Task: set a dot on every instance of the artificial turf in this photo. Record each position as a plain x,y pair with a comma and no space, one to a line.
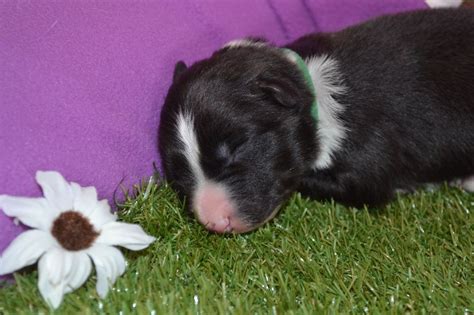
415,256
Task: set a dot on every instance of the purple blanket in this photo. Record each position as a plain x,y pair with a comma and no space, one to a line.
82,83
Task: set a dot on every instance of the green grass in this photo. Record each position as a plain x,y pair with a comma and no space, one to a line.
415,256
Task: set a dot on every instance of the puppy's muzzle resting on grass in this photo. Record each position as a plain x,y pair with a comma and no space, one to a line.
353,115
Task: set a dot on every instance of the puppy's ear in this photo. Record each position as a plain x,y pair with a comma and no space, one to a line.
284,93
179,69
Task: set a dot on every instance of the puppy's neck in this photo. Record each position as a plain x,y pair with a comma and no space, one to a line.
328,84
324,80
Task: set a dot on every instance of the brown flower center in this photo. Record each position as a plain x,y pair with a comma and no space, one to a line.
73,231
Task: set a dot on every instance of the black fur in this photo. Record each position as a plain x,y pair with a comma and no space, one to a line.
410,106
408,109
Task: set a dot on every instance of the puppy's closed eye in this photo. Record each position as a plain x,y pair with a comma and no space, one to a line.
223,152
227,152
235,144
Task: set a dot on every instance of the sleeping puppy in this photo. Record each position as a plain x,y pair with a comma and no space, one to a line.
354,116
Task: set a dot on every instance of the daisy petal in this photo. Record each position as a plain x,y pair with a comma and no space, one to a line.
80,271
85,198
34,212
52,286
25,250
127,235
102,215
61,262
102,285
109,264
55,189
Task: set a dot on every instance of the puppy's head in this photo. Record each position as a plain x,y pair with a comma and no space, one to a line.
236,134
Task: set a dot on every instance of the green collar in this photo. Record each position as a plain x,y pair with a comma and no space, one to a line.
307,77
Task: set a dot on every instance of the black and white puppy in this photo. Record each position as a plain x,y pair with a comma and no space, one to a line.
395,110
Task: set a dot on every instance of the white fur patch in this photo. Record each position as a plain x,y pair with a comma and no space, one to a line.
443,3
244,43
327,82
465,183
468,184
187,136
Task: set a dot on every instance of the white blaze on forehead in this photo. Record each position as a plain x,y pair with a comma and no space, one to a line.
187,136
328,83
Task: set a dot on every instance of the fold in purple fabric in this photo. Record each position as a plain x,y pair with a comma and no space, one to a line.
82,82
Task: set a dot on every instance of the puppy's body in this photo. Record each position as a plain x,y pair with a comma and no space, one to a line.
408,105
396,110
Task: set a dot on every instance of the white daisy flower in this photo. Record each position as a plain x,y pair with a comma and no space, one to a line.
70,227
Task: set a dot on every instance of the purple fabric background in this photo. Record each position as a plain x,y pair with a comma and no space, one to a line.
82,82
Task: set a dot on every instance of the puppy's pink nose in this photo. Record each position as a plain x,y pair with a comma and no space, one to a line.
215,210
